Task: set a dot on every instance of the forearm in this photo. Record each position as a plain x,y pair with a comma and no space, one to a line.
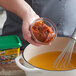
25,12
19,7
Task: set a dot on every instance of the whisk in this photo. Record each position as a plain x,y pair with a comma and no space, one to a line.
65,57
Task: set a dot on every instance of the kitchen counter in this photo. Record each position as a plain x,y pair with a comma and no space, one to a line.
10,70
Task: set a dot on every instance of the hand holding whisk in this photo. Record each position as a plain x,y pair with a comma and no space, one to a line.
65,57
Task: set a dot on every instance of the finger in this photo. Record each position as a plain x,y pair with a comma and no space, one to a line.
27,33
33,42
25,26
30,40
27,36
26,30
49,44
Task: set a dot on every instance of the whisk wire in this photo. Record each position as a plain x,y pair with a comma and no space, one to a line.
65,57
71,51
60,57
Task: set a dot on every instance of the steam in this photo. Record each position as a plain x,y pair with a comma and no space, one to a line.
62,12
70,16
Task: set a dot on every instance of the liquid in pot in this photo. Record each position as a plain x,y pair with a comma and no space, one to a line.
46,60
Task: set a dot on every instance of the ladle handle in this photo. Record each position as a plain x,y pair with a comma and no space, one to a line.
23,67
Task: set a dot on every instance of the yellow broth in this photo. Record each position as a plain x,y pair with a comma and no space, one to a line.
46,60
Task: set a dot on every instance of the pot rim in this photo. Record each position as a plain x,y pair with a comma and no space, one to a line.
45,69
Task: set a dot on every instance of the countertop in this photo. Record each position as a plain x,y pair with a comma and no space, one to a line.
10,69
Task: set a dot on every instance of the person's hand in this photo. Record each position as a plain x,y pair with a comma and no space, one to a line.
22,9
27,21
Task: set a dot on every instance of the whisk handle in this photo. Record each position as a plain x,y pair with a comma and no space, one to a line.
74,34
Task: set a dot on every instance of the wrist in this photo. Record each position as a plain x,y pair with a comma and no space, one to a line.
27,14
